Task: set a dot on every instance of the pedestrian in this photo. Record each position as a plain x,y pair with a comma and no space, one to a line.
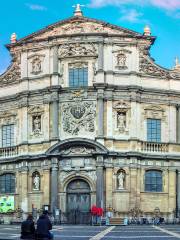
28,228
44,226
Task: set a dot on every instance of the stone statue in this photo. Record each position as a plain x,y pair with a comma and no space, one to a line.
120,180
37,124
121,121
36,182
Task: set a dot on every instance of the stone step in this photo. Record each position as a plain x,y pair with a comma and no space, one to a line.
116,221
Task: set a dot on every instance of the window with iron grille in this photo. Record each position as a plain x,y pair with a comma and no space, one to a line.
153,130
7,183
8,135
153,181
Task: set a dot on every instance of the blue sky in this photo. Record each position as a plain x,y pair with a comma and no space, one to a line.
163,16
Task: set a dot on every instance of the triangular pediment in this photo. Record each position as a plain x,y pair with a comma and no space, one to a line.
78,25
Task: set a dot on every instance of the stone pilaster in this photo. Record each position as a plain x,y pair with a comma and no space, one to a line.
100,182
46,184
178,124
55,77
54,184
178,192
100,102
109,186
101,57
24,189
54,116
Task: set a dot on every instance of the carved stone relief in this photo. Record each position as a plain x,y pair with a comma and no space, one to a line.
77,50
78,116
77,150
13,73
8,117
155,112
147,65
80,26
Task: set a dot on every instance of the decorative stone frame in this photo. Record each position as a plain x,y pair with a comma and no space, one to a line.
124,108
34,111
8,118
155,112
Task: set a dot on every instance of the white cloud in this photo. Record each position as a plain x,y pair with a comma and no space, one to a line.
36,7
131,15
163,4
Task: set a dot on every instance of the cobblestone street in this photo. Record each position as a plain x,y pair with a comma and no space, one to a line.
132,232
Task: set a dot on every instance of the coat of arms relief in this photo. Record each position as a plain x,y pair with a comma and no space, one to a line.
78,116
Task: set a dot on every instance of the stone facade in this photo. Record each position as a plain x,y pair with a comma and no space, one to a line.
97,133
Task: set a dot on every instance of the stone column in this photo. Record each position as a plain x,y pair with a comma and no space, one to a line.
178,124
100,102
54,184
54,116
100,182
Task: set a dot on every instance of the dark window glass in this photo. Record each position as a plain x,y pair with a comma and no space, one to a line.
78,77
153,130
7,183
8,135
153,181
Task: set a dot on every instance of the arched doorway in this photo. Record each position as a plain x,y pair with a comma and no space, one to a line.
78,202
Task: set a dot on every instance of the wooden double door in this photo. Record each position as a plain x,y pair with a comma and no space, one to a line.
78,202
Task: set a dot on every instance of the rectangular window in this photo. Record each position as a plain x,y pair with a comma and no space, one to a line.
78,77
8,135
153,130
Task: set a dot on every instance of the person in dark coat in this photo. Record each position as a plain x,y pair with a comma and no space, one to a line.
27,228
44,226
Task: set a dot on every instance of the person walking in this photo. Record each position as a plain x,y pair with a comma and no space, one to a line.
28,228
44,226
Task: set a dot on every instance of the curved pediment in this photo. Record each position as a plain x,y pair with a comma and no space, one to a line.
78,25
76,147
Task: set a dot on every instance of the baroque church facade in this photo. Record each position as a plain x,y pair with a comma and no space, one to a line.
88,118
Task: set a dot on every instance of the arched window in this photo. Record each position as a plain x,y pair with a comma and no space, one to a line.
153,181
7,183
36,180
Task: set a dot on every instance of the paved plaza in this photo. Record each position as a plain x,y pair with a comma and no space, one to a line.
131,232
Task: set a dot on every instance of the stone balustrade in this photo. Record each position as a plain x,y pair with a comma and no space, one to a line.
154,147
9,151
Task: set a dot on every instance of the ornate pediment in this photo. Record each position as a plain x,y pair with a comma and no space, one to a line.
76,25
78,150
